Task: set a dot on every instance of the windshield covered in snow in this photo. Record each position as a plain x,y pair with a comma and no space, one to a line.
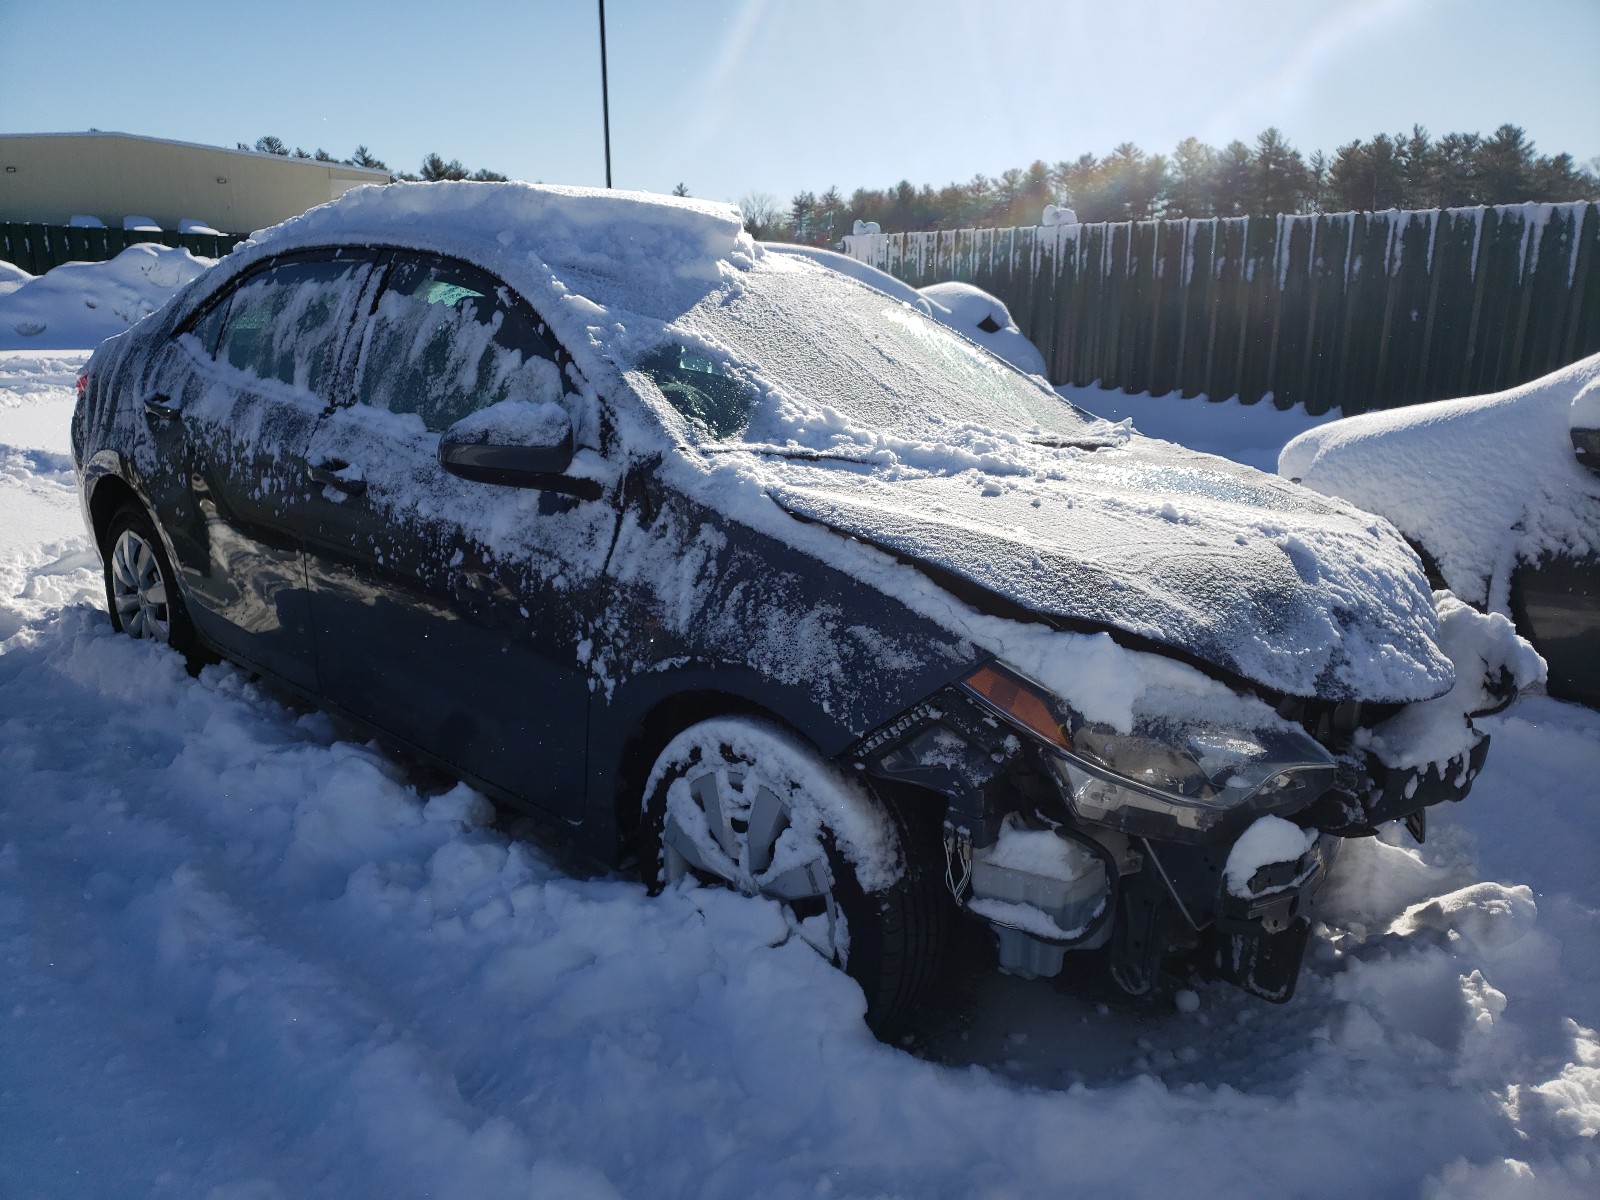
801,355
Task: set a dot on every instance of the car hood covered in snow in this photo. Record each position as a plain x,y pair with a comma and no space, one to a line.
1205,558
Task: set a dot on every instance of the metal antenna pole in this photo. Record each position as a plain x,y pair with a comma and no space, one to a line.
605,94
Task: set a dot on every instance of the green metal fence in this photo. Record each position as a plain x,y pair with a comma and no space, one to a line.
39,248
1349,310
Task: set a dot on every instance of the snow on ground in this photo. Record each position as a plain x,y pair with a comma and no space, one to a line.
241,958
1251,434
82,304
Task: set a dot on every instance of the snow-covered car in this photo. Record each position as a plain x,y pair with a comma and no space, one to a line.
746,573
1499,494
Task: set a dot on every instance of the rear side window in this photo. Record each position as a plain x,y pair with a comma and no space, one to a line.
446,340
286,322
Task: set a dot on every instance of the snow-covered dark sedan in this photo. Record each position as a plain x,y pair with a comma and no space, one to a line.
752,575
1500,495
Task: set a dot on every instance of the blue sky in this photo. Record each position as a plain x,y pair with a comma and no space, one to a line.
735,96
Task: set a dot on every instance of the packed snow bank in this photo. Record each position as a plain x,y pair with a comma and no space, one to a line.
1483,482
45,561
81,304
11,277
1252,434
242,958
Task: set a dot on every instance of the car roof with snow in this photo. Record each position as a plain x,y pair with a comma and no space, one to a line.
1481,482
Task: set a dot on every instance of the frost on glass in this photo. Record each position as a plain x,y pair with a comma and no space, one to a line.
701,389
443,345
284,324
839,363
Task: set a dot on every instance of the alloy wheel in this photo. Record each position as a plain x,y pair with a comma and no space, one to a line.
725,826
138,589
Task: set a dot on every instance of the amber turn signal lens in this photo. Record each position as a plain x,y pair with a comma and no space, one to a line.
1018,701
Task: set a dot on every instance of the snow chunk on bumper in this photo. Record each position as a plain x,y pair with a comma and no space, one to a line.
1490,661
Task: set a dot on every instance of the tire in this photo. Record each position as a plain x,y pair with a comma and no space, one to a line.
741,803
141,589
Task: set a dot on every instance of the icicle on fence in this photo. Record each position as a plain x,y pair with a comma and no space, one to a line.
1349,310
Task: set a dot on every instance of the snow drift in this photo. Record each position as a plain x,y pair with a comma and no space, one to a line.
82,304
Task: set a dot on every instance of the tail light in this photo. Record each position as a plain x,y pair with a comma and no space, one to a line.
83,384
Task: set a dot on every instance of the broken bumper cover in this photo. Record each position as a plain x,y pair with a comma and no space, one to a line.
1367,794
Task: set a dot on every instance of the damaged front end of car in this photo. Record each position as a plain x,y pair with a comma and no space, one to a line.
1178,840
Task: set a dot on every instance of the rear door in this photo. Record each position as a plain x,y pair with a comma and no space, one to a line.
449,612
233,408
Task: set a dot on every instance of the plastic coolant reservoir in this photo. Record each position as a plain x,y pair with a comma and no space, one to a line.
1038,890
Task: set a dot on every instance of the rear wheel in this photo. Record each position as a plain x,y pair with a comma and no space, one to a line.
141,590
741,803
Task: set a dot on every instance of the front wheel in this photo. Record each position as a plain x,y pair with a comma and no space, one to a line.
141,590
742,803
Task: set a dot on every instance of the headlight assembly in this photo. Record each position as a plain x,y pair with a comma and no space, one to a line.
1165,778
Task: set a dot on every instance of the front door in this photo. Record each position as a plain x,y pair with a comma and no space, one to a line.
249,382
449,612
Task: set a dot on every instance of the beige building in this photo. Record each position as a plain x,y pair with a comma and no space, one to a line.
51,177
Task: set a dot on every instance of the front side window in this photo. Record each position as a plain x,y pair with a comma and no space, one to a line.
447,340
286,322
701,389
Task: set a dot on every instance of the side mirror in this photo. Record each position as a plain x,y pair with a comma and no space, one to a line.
515,444
1586,445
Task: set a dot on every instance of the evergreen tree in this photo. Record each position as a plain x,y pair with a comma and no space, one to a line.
800,213
1231,182
362,158
1080,185
828,218
681,190
271,145
1505,167
1368,176
434,169
1190,180
1278,177
1455,158
1419,158
1401,171
1317,184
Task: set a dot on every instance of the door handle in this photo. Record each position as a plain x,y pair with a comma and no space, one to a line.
479,585
162,407
328,475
